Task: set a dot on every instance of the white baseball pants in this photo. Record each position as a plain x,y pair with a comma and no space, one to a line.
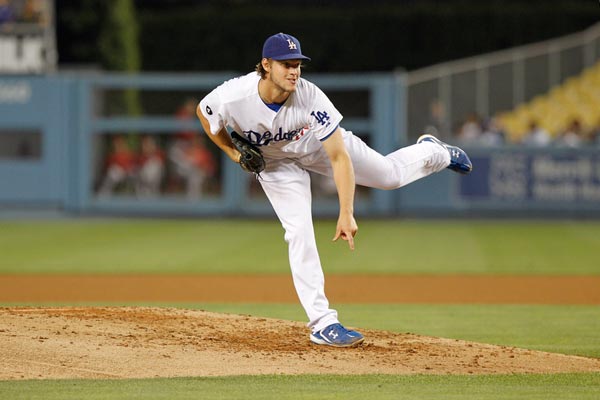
287,185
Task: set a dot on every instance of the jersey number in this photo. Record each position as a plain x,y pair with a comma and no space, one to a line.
321,117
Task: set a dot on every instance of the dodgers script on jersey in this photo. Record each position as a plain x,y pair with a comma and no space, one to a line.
306,117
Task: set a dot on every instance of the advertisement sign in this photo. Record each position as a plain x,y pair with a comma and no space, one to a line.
557,176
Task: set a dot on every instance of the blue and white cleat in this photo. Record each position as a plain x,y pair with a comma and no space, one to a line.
459,160
337,336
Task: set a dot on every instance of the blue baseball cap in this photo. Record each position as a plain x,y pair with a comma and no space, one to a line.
283,47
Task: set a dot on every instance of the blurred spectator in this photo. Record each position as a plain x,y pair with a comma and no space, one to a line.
23,11
536,136
437,124
493,133
33,12
151,167
187,112
7,12
120,166
194,163
595,133
572,136
471,129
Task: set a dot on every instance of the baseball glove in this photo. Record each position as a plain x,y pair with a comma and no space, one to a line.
251,159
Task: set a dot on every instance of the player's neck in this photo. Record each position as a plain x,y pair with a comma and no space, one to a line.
270,93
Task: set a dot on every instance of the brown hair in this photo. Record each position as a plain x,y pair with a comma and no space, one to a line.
260,70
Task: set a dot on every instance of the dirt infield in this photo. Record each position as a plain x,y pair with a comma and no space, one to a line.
138,342
279,289
156,342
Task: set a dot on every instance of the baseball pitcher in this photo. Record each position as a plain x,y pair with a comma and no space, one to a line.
284,126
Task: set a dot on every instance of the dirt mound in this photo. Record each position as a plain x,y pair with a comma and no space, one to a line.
136,342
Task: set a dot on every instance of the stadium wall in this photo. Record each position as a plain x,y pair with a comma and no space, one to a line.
53,132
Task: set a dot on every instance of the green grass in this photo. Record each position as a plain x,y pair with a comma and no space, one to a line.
207,246
372,387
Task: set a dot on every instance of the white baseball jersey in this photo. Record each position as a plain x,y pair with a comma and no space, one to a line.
306,117
285,136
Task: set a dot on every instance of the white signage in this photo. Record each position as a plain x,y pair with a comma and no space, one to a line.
22,54
18,92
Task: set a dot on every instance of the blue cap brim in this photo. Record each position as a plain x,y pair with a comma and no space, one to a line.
290,56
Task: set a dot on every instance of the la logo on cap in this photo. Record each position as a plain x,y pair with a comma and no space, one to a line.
291,44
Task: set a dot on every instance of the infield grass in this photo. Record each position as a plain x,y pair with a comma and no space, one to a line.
256,246
372,387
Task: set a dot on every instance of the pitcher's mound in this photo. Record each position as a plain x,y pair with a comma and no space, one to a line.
135,342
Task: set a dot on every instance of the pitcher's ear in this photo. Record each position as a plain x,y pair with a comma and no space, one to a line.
266,64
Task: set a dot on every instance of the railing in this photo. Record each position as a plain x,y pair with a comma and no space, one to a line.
442,96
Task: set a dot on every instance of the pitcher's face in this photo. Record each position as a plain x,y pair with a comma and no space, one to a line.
284,74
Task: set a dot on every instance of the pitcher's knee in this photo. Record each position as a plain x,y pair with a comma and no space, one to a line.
391,181
293,235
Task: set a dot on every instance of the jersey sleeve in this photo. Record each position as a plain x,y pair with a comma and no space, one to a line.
211,107
324,117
